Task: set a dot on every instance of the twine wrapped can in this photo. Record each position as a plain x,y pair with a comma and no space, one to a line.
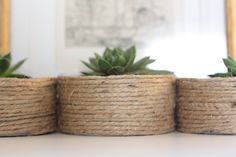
27,106
206,106
122,105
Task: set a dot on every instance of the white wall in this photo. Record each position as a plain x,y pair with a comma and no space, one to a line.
195,50
33,35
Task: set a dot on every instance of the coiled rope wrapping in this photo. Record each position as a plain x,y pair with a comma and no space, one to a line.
116,105
206,106
27,106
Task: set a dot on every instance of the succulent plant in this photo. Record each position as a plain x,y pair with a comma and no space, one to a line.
230,63
6,70
119,62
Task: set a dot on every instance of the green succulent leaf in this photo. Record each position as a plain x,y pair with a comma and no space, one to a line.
93,62
15,67
104,65
229,63
142,63
151,72
90,66
6,70
220,75
116,70
8,56
159,72
93,73
119,62
232,61
130,55
120,51
4,65
231,66
17,76
106,54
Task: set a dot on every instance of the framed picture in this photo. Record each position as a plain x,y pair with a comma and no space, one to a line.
167,30
4,26
231,27
88,26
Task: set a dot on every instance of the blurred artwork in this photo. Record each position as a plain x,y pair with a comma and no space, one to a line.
100,23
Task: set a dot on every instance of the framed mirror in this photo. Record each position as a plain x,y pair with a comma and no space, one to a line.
4,26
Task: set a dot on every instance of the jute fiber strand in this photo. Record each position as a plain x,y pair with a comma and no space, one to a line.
116,105
27,106
206,106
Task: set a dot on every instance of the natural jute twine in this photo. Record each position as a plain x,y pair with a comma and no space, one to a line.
27,106
116,105
206,106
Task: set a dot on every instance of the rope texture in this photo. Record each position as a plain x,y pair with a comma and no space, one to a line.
27,106
116,105
206,106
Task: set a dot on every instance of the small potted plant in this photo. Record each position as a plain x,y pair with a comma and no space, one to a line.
27,106
117,98
208,106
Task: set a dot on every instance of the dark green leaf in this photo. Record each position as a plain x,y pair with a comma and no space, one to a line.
92,73
8,56
104,65
151,72
107,53
113,58
122,60
17,76
15,67
130,55
90,66
230,58
4,65
118,70
142,63
229,63
94,62
221,75
120,51
117,62
159,72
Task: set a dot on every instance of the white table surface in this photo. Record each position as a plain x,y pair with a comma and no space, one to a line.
168,145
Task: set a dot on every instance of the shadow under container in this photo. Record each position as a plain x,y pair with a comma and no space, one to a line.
206,106
122,105
27,106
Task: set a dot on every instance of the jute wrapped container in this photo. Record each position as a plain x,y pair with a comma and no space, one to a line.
206,106
116,105
27,106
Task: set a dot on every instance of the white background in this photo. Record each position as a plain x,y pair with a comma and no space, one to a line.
195,50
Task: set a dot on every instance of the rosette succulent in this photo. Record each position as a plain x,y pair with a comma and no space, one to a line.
230,63
6,70
120,62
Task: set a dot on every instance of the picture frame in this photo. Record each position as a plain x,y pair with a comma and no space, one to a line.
4,26
231,27
38,31
193,34
77,53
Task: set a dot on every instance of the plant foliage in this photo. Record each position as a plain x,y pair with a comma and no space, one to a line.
6,70
120,62
230,63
